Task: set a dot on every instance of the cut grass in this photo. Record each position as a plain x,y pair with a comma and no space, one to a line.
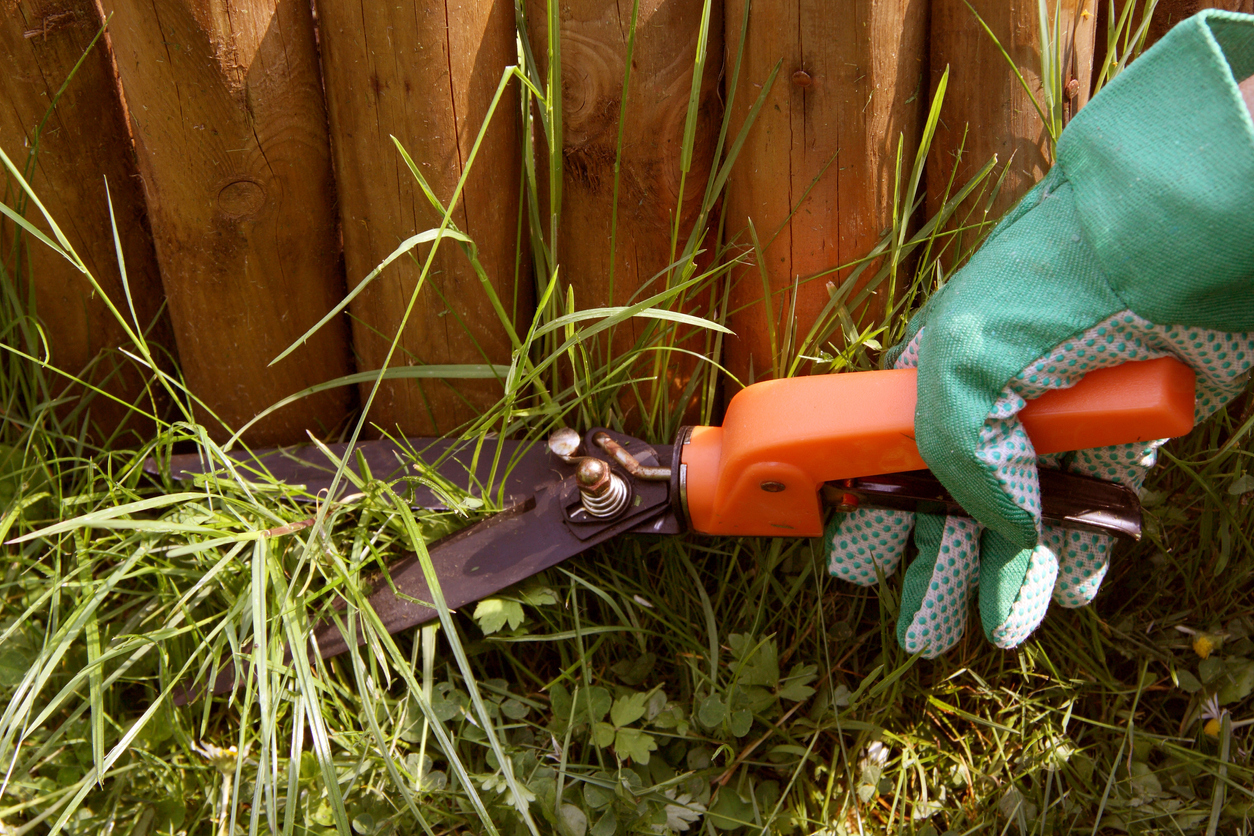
698,684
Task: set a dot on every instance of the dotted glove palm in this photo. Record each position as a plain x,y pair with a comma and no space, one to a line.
1139,243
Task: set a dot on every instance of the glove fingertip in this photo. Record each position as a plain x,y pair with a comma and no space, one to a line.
1083,558
937,589
1030,604
867,544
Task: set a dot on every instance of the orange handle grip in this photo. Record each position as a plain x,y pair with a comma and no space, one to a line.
760,473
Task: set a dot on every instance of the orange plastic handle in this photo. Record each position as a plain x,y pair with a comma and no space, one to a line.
760,473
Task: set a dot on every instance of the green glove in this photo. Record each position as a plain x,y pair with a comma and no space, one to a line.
953,552
1139,243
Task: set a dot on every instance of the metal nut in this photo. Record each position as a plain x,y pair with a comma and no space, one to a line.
602,493
593,476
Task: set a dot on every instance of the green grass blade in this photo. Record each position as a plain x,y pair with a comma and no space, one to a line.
424,237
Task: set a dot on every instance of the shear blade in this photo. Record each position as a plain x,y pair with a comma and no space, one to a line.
491,555
458,465
487,557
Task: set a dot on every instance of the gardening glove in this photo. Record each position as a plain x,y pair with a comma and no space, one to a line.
1067,565
1139,243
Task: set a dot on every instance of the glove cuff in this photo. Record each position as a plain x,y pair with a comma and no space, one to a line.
1162,167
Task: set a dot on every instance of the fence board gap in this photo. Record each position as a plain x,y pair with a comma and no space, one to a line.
230,127
83,143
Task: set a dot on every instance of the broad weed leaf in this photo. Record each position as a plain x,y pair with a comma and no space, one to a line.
628,709
492,614
634,744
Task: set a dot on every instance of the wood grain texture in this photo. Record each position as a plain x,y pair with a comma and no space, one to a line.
594,48
1166,15
84,143
852,80
426,73
986,99
1170,12
226,108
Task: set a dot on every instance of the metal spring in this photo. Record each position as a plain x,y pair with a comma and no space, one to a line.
609,503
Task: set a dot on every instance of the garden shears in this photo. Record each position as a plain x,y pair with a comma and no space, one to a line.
786,451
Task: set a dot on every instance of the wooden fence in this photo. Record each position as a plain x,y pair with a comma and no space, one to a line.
246,146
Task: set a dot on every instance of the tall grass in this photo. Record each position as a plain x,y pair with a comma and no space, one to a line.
693,684
1126,35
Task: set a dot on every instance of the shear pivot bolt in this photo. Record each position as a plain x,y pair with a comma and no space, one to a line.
773,487
602,492
593,476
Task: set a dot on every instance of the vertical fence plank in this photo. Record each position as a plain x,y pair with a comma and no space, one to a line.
823,150
1170,12
426,73
652,217
83,143
1167,13
227,113
986,100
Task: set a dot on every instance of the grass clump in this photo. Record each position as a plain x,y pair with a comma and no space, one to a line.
676,685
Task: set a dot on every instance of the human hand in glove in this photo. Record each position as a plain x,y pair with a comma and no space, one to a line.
1139,243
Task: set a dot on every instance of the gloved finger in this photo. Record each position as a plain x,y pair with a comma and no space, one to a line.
1083,558
938,584
1016,585
867,543
1127,464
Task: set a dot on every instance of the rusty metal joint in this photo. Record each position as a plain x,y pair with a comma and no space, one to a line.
628,462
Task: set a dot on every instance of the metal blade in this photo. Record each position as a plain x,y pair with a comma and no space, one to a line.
535,534
403,465
492,555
